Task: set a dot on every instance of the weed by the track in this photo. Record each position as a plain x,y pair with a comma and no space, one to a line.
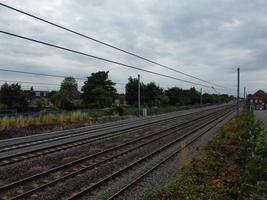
232,166
27,125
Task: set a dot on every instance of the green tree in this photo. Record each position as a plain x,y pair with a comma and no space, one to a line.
69,89
68,92
131,94
55,98
174,94
163,99
13,96
69,83
59,100
216,98
98,90
192,96
178,96
153,94
40,102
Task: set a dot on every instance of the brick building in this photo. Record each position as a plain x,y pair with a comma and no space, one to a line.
258,100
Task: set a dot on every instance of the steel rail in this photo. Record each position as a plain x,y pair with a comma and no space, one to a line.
82,132
139,178
72,132
142,159
173,129
188,124
31,139
71,144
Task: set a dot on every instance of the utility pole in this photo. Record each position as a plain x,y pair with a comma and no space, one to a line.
201,96
139,99
237,100
245,93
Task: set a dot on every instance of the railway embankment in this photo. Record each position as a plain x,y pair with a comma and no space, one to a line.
232,166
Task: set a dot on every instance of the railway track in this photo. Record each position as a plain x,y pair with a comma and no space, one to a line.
12,151
47,137
159,140
91,191
170,156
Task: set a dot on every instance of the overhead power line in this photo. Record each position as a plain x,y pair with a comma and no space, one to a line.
42,74
38,74
101,58
29,82
107,44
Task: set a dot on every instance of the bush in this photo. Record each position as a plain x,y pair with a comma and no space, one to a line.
114,110
232,166
20,122
40,102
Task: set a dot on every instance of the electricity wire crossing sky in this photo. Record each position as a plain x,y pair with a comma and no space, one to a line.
127,39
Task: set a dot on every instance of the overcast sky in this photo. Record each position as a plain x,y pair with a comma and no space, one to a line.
206,38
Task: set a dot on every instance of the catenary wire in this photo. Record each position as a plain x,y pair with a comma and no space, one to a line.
102,59
48,75
107,44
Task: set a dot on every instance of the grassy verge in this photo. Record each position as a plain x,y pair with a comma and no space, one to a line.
232,166
34,123
21,126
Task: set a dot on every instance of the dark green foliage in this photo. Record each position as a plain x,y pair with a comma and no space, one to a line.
216,98
151,94
255,186
132,91
98,90
60,100
114,110
69,83
178,96
67,94
232,166
174,94
119,110
40,102
13,96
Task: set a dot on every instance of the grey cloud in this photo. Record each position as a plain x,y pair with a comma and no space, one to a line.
205,38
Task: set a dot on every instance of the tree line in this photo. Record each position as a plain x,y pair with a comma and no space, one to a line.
154,95
99,91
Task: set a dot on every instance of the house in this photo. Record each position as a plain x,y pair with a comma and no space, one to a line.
120,100
38,98
40,93
32,94
258,100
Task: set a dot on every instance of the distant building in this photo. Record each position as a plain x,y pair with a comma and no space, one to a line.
33,95
121,100
40,93
258,100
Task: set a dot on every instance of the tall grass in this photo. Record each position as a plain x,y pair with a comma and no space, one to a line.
20,122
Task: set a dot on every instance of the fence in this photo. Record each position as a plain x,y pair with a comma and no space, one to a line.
99,112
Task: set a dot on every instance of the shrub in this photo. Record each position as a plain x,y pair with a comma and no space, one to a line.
232,166
20,122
